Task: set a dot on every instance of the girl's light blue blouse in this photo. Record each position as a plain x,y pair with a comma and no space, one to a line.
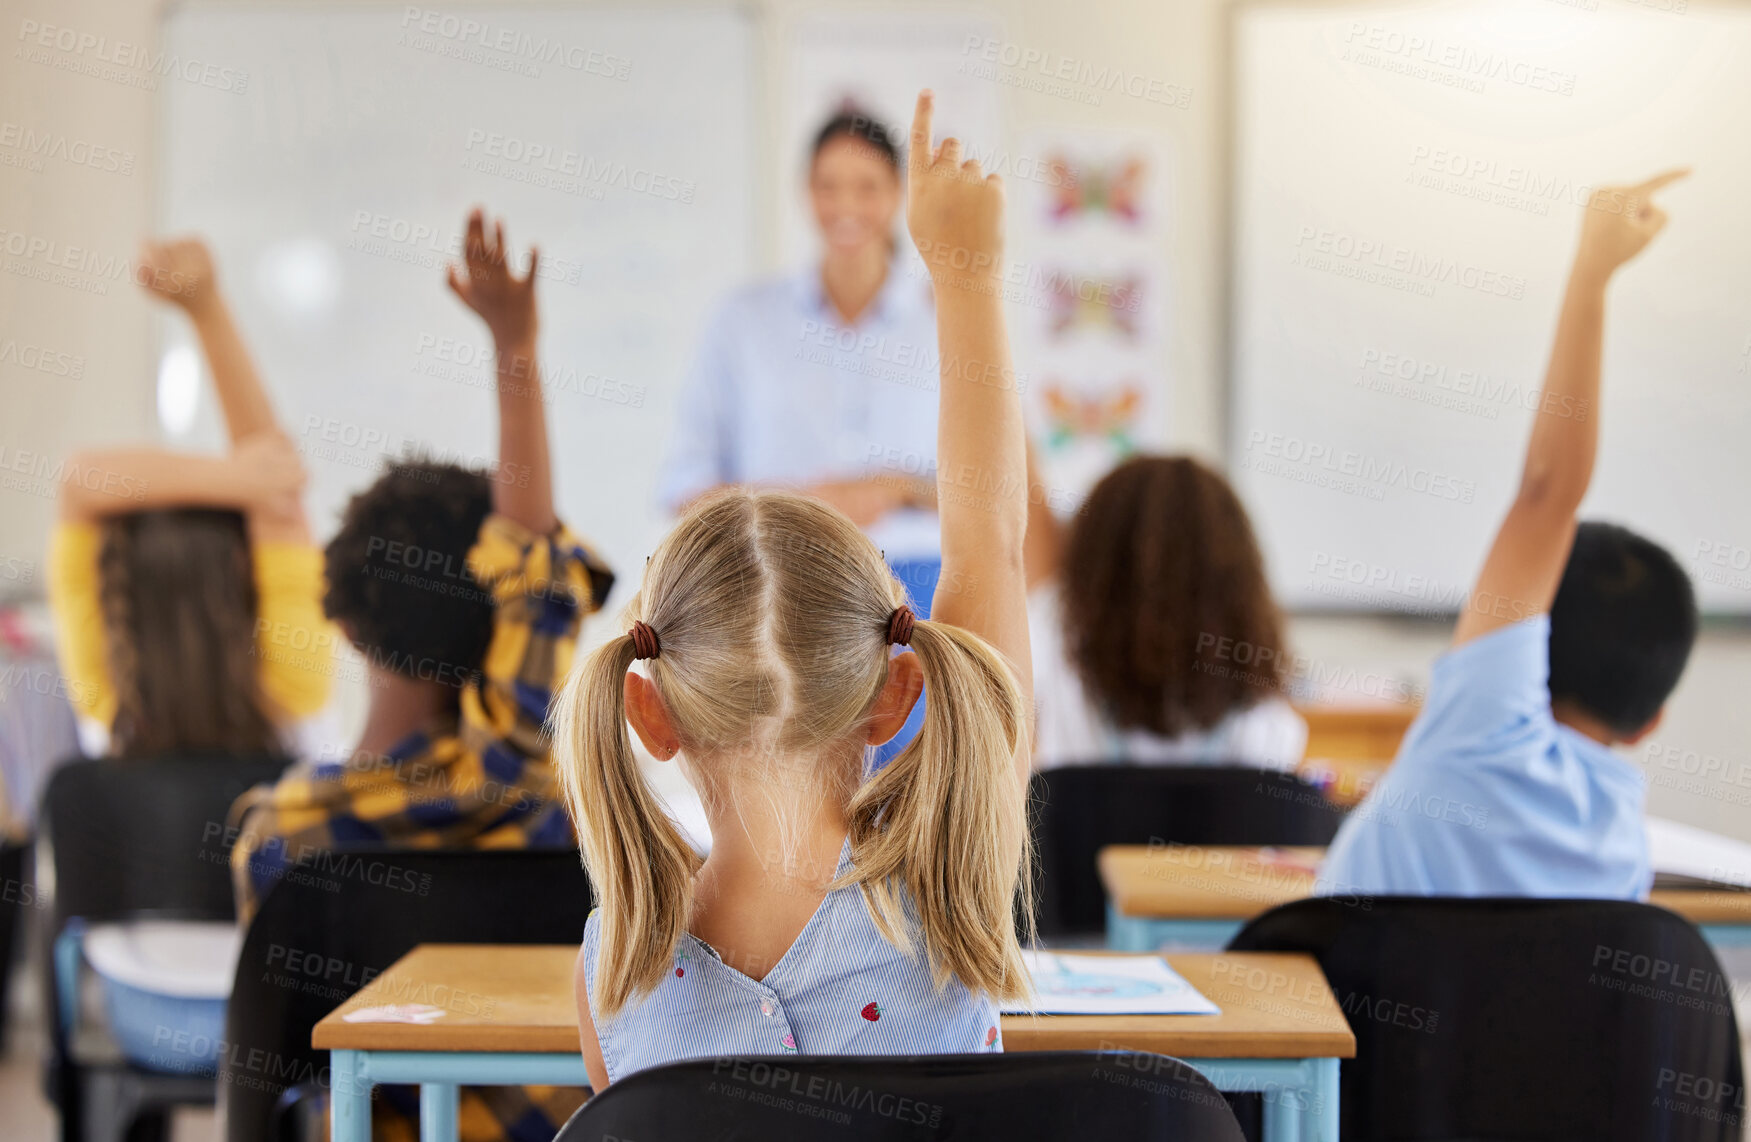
784,392
841,989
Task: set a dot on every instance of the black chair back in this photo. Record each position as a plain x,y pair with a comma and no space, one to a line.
1107,1095
133,839
335,922
1080,810
1523,1019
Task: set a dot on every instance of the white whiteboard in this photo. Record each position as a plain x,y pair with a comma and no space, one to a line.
1407,189
334,187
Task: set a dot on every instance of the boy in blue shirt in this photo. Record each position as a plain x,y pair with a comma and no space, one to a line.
1569,644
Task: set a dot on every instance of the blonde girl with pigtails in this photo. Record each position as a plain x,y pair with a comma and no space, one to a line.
839,911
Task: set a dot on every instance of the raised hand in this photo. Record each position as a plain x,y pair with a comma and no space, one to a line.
1620,222
953,209
505,302
178,270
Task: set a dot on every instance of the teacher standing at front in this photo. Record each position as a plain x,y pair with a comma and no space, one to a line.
824,380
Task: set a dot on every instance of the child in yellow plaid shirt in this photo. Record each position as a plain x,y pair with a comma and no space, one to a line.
464,593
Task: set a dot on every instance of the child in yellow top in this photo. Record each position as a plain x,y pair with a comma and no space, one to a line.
185,589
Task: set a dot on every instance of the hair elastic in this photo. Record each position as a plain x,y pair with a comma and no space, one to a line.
900,626
645,643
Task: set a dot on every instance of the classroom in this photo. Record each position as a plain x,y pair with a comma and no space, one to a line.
576,570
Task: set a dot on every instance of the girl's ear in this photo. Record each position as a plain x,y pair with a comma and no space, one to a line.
894,704
650,718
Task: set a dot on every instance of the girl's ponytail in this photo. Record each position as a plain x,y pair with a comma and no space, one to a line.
639,864
945,823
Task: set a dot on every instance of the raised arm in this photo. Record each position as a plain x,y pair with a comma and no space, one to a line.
956,211
262,476
1524,567
180,271
523,486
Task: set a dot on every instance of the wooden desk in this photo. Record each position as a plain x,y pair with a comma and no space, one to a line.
1349,747
509,1019
1196,896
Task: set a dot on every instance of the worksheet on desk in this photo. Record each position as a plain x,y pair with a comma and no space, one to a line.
1109,985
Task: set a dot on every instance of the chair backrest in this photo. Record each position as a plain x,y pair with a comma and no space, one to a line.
139,837
1079,810
1051,1095
1525,1019
335,922
132,838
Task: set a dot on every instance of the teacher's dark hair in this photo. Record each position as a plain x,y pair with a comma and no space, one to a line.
859,126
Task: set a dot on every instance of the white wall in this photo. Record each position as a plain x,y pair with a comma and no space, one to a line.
1176,43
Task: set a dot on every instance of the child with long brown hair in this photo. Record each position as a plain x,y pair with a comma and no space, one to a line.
838,912
1156,638
185,589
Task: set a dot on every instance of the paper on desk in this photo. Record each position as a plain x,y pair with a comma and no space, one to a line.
1684,855
1109,985
421,1013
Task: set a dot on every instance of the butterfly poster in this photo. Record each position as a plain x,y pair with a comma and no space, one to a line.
1092,332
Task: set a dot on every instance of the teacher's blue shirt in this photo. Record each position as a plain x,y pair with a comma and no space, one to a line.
783,392
1491,796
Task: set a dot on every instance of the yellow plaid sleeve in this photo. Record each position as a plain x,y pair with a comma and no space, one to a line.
542,586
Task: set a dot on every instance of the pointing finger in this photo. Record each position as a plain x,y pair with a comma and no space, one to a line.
918,155
1660,180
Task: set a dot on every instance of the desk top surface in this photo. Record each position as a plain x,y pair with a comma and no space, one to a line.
1234,882
499,998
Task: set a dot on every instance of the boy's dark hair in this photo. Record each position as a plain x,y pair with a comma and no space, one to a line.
861,127
1621,627
398,575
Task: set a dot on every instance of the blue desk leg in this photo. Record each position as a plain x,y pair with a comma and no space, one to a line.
349,1097
1319,1118
439,1103
1300,1095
